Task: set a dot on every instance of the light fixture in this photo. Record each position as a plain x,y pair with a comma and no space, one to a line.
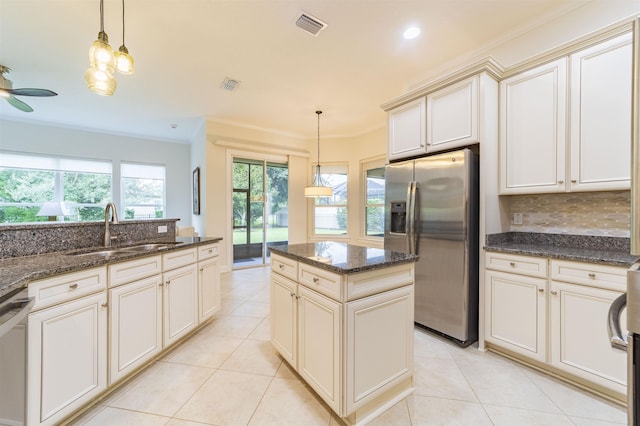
53,209
99,76
411,33
124,61
318,188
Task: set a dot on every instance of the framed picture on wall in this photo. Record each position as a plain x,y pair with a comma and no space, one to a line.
196,191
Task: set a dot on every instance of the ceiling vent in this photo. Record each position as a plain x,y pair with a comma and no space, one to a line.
309,23
229,84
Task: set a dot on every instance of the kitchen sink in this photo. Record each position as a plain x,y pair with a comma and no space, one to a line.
106,252
147,247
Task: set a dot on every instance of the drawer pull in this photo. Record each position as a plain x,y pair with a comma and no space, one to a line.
201,269
104,305
512,264
73,286
161,284
541,290
316,280
292,294
592,275
554,292
167,282
281,266
210,251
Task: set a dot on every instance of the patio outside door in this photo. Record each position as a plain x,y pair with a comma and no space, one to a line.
260,210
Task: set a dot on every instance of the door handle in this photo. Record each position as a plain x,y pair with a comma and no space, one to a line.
613,323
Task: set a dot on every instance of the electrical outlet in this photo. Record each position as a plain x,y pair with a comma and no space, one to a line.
162,229
517,218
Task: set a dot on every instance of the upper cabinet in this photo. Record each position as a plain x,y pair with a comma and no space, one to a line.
407,130
566,125
452,115
447,114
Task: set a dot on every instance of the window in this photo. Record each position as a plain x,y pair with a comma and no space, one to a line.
143,191
330,213
27,181
373,199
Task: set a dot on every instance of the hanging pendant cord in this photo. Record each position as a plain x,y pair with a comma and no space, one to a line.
318,166
123,23
101,16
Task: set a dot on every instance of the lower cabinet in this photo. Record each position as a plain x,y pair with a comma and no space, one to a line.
208,289
135,325
558,318
284,317
180,300
67,358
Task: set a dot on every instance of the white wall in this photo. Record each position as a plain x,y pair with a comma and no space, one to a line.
199,159
46,139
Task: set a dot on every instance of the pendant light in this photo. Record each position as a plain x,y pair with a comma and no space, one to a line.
318,188
124,61
99,76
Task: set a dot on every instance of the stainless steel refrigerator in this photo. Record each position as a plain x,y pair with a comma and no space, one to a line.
431,209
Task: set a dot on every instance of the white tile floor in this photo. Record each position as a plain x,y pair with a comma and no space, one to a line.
228,374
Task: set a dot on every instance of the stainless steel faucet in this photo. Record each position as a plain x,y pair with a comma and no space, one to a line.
114,220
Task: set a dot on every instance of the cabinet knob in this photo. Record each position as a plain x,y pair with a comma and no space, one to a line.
210,251
574,180
541,290
592,275
316,280
73,286
292,294
104,305
161,284
201,269
561,181
512,264
281,266
554,292
167,282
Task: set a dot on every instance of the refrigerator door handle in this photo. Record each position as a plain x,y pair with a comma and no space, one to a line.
613,323
412,235
409,225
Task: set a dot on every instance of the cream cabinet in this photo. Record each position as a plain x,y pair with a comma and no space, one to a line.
556,315
67,356
180,303
135,323
452,115
592,87
208,282
350,337
407,127
515,304
579,301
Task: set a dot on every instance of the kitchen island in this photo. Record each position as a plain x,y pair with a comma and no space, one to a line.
342,317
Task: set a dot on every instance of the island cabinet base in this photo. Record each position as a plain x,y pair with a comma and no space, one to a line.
354,349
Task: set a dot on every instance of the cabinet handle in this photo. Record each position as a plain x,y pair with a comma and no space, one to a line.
167,282
541,290
560,181
554,292
73,286
574,180
512,264
281,266
316,280
292,294
297,297
592,275
104,305
210,251
161,284
201,269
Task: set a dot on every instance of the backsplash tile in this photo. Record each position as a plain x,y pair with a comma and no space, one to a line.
584,213
42,237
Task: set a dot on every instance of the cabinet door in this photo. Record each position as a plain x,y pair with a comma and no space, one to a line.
135,325
407,130
283,317
452,116
579,337
67,358
601,79
382,325
208,289
516,313
319,345
532,130
180,303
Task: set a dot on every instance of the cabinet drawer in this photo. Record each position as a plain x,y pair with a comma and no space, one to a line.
320,280
284,266
179,258
208,251
377,281
604,276
60,289
525,265
125,272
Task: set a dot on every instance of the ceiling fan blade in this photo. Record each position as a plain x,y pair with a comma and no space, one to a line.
19,104
32,92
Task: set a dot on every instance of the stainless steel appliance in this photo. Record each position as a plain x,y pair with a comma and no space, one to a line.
13,357
431,209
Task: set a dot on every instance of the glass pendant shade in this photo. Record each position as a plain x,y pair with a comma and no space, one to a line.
124,61
100,54
100,81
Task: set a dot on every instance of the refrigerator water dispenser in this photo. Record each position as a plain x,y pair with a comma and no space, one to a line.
399,217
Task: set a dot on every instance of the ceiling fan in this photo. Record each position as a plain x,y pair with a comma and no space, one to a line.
8,92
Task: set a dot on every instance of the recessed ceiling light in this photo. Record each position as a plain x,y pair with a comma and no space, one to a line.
174,125
410,33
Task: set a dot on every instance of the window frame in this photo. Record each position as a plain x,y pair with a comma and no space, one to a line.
324,166
366,165
122,203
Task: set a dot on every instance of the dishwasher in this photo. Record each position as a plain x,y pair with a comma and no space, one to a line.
14,309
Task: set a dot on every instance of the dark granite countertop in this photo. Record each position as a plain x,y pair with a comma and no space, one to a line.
343,258
612,251
17,272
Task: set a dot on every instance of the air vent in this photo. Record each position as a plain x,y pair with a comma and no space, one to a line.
309,23
229,84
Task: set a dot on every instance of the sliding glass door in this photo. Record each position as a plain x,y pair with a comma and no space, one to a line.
260,209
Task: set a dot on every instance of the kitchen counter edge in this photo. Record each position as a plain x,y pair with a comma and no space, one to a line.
603,257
